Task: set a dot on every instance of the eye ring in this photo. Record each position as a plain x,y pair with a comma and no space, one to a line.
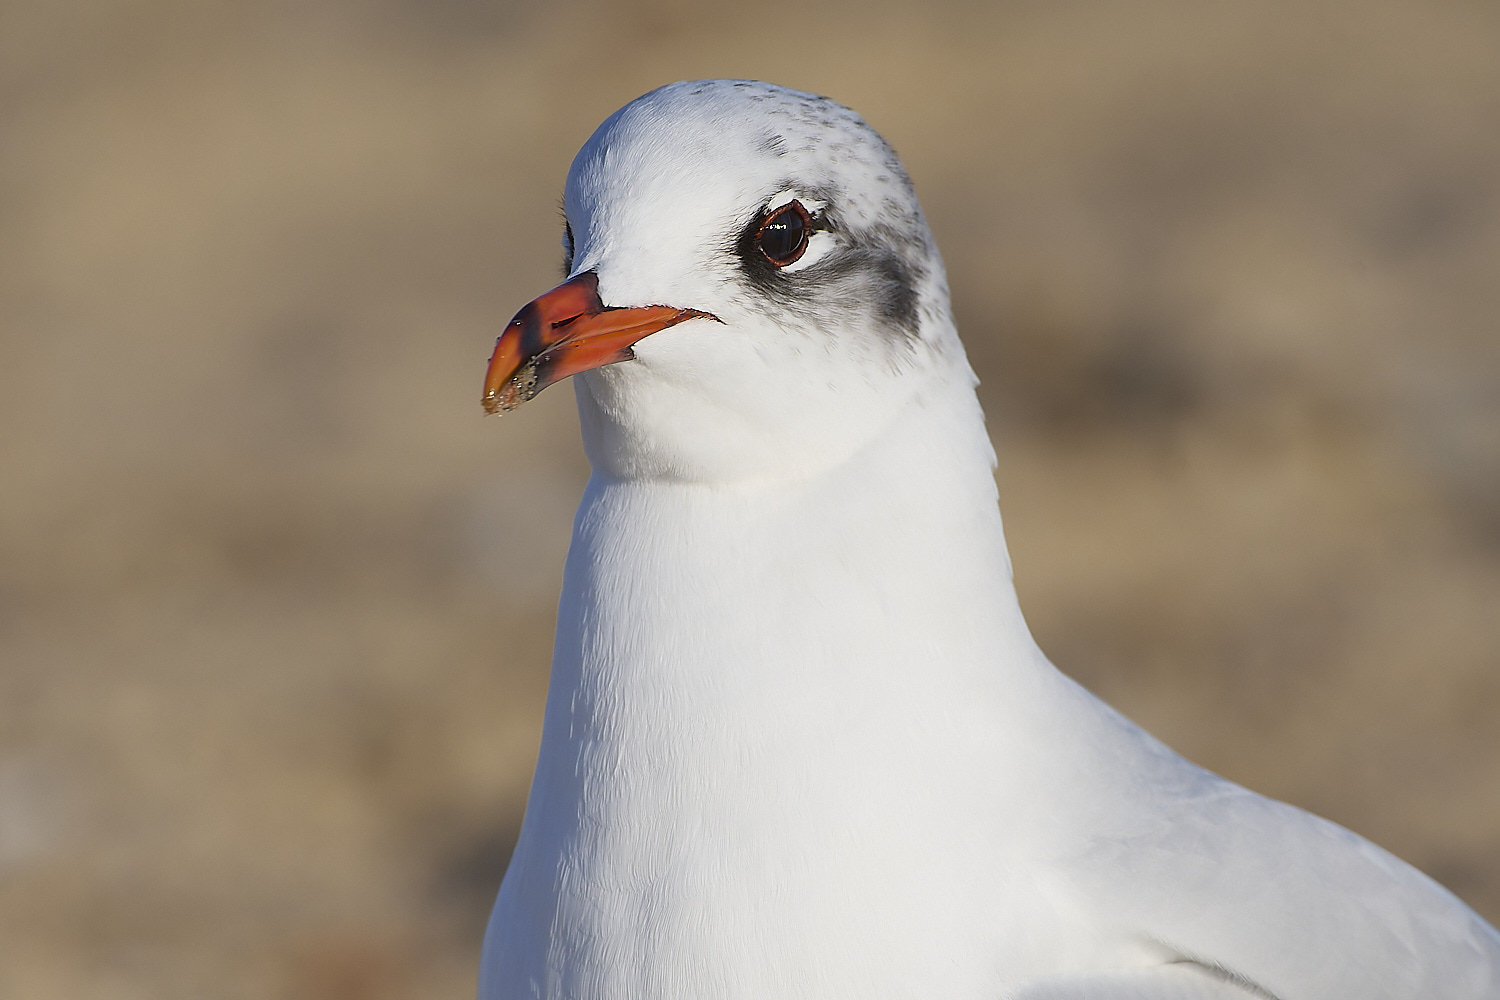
783,234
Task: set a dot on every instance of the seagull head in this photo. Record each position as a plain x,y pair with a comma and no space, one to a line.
752,290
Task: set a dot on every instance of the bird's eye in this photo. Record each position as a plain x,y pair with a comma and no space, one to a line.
784,233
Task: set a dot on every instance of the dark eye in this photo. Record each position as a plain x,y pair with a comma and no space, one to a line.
783,235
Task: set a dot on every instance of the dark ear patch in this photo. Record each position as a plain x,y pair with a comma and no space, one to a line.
870,273
898,292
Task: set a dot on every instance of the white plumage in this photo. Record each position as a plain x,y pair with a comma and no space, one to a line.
799,742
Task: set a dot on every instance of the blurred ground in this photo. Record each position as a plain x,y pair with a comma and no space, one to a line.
275,600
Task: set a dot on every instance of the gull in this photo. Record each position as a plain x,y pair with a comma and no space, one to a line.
798,741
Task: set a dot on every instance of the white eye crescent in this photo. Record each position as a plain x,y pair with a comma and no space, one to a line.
818,246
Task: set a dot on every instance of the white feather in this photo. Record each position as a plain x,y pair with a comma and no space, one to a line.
799,741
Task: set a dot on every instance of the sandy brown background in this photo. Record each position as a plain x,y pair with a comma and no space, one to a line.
276,599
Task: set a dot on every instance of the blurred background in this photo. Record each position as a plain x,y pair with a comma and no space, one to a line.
276,599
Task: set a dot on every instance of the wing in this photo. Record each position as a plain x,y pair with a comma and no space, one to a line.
1177,981
1296,905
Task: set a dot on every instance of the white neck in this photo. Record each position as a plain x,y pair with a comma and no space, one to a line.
685,709
887,576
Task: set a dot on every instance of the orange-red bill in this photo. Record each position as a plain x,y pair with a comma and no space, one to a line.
564,332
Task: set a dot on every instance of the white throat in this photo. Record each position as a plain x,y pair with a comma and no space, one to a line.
713,641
